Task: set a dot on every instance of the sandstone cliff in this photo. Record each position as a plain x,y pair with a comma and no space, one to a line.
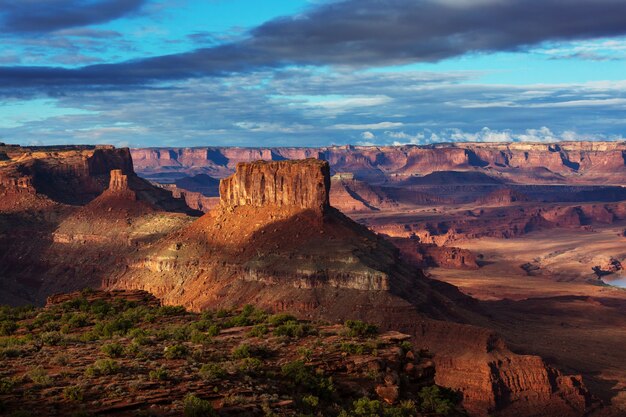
304,185
283,251
566,162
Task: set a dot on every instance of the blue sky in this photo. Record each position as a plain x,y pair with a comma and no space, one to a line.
311,73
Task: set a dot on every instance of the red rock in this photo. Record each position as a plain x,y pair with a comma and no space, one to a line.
388,393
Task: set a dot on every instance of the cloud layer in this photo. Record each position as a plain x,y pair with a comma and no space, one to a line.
353,33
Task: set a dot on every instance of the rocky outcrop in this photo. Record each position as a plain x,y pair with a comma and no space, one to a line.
118,182
502,197
303,185
428,255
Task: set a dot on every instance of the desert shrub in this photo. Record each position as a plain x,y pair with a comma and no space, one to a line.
242,351
175,351
278,319
248,316
112,350
211,372
197,407
8,327
140,337
293,329
73,393
160,374
222,313
6,385
117,326
406,346
100,309
45,317
76,320
305,353
310,402
52,338
200,338
357,328
302,376
102,367
259,330
365,407
250,366
434,399
171,311
60,359
39,376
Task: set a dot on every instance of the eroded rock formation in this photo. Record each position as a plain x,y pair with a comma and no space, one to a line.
288,252
303,184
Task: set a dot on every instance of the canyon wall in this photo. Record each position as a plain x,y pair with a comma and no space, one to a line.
565,162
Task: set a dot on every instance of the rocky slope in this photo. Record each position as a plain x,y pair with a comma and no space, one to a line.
275,242
121,353
49,245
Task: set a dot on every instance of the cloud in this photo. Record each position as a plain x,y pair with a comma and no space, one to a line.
353,33
43,16
371,126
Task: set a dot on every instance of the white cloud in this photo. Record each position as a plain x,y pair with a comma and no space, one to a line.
370,126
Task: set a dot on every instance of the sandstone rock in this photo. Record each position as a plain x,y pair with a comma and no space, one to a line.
303,185
388,393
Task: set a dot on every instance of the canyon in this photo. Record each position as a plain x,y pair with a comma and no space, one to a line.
416,250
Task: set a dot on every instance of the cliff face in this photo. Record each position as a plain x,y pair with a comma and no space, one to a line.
303,185
288,250
568,162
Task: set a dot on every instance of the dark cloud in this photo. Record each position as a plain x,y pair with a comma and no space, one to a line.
42,16
354,33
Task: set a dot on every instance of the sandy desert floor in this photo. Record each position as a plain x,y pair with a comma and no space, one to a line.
562,311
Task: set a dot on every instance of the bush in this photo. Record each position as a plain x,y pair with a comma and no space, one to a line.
357,328
302,376
211,372
197,407
76,320
6,385
73,393
200,338
259,330
39,376
293,329
113,350
102,367
278,319
171,311
241,352
175,352
250,366
160,374
8,327
118,326
434,399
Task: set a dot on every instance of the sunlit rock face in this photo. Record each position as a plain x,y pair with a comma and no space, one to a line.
303,184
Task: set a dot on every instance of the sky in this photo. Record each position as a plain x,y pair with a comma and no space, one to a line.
311,72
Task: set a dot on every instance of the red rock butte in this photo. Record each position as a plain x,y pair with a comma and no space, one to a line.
294,184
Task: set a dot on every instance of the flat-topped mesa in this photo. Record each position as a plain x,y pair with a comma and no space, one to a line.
299,184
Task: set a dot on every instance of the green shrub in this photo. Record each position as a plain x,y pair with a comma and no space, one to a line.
171,311
278,319
8,327
259,330
160,374
175,351
6,385
113,350
310,402
76,320
357,328
250,366
39,376
211,372
102,367
73,393
200,338
197,407
117,326
302,376
434,399
293,329
241,352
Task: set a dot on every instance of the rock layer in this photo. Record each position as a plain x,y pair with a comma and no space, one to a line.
297,254
303,185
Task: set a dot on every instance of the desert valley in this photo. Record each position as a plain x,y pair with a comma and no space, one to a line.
499,266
